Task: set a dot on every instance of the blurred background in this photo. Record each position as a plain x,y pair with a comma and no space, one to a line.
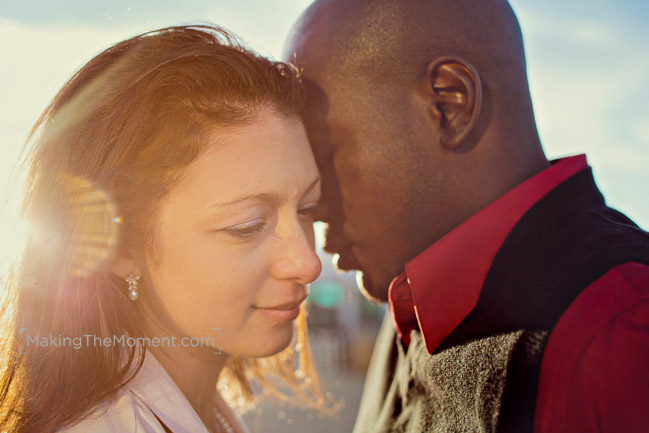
588,63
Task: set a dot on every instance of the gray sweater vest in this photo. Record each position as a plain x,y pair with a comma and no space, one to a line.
459,389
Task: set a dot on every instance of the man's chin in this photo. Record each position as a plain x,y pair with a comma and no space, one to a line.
376,295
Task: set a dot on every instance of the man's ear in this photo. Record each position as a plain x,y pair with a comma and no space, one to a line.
453,90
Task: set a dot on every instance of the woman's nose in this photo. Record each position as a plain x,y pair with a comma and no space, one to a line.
296,258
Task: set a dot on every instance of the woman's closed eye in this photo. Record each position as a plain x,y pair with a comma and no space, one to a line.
245,230
309,213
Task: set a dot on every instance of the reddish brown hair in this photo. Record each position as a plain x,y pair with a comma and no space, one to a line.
105,151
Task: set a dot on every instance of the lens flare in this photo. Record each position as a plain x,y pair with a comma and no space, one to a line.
95,225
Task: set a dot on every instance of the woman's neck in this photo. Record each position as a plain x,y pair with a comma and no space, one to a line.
196,374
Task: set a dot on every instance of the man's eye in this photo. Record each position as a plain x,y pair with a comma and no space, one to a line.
313,212
247,230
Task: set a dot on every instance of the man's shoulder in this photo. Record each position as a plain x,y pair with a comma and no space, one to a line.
594,365
615,294
637,277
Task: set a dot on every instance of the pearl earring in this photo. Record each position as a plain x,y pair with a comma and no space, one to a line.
132,286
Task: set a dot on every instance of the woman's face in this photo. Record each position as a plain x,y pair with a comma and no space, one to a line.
235,247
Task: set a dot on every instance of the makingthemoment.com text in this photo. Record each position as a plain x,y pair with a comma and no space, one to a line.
91,340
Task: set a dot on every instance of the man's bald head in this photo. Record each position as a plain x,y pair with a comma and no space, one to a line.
387,38
419,115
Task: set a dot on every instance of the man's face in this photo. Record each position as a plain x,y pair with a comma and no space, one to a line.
366,145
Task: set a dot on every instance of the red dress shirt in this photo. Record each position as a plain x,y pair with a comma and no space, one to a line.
595,368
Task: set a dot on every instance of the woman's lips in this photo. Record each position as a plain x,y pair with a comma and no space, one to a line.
284,312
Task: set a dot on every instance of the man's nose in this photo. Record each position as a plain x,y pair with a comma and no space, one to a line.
332,215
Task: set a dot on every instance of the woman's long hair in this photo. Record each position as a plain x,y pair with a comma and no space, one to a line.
105,151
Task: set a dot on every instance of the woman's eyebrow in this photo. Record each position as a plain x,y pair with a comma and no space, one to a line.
266,197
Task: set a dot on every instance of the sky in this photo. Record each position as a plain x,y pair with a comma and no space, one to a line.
588,63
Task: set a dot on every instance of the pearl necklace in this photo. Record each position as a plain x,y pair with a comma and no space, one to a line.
225,425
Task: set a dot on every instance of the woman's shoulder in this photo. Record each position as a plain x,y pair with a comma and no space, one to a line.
124,413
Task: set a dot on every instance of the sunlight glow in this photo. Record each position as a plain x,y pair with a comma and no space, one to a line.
96,231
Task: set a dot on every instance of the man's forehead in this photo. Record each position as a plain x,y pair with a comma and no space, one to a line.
341,33
384,37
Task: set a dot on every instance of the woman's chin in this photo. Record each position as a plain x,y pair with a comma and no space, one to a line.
267,344
277,344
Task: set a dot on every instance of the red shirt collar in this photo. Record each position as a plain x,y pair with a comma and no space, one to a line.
441,286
